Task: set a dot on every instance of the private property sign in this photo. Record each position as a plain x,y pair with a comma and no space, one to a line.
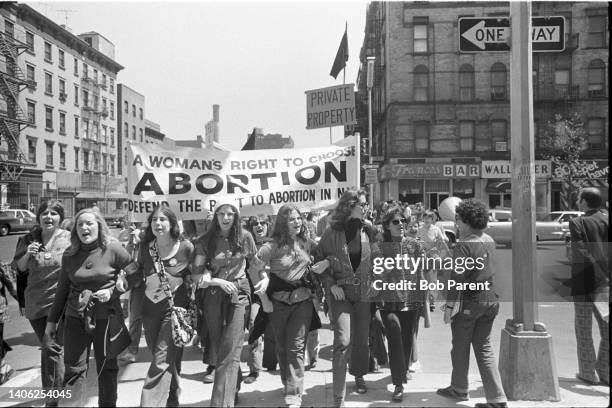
332,106
493,34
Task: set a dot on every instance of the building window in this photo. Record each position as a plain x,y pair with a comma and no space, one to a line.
49,153
562,81
85,128
86,160
140,115
30,73
597,32
466,83
133,132
112,165
95,75
76,95
112,110
62,152
421,136
30,41
499,135
104,135
104,80
32,150
420,34
61,62
76,127
596,77
85,70
95,129
498,82
596,134
76,67
133,110
112,85
126,131
32,113
85,97
62,123
48,84
421,83
96,157
9,29
48,55
104,163
126,107
49,118
112,137
140,135
76,159
466,136
62,90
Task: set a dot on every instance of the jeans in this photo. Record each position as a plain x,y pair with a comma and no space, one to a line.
472,326
135,320
262,353
162,376
351,322
77,344
591,365
399,328
291,323
51,366
225,321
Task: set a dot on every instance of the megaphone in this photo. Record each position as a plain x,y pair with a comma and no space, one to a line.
447,207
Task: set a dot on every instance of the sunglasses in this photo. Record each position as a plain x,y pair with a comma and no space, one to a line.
259,223
398,222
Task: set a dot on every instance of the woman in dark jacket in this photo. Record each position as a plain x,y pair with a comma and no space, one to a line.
349,247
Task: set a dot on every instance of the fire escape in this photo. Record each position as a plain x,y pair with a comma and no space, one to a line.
91,143
12,118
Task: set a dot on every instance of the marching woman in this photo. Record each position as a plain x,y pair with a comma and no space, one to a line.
400,309
291,290
163,251
38,258
221,255
86,290
349,246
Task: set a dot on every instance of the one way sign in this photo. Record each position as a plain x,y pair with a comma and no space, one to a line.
493,34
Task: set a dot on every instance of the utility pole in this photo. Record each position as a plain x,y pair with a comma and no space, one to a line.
526,359
370,84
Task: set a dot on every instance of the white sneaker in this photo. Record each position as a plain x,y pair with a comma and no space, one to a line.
414,367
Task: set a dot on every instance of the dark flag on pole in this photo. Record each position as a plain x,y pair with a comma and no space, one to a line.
341,56
250,143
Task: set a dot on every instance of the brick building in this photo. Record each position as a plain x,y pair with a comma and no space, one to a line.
441,118
57,111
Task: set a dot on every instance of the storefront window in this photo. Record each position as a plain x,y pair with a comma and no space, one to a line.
463,188
500,200
410,191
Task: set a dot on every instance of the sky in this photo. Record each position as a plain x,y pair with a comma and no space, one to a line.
254,59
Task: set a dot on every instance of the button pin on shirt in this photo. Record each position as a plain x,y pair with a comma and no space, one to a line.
88,265
172,262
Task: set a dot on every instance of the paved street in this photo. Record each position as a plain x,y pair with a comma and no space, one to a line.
434,355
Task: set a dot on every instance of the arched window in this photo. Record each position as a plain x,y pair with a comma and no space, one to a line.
498,82
421,83
126,107
596,77
466,83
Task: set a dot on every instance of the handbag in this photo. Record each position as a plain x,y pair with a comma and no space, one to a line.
116,334
181,319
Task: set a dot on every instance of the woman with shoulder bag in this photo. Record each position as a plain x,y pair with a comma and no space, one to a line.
349,246
38,259
292,295
86,290
221,255
163,258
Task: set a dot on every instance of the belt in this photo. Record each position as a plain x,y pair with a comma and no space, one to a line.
349,281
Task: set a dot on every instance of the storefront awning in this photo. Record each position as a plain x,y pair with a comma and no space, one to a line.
498,186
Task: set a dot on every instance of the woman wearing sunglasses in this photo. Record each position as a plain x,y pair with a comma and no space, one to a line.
400,309
349,246
291,290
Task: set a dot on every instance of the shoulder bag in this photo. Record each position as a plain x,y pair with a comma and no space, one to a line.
181,319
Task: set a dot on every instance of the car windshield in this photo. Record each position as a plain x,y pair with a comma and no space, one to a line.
550,217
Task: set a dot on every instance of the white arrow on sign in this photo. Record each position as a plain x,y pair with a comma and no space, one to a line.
479,34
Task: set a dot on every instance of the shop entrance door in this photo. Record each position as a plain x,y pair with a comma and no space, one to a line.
435,199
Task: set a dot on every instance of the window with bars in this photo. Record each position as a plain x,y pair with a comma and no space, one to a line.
596,78
498,82
421,83
466,83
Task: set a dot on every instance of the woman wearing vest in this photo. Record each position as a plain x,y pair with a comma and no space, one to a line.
290,288
221,255
349,246
472,324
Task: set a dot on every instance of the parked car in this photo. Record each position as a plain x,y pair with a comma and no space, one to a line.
14,220
114,219
554,225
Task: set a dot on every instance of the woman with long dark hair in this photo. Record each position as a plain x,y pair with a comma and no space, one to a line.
162,250
221,255
291,289
38,259
86,290
400,309
349,246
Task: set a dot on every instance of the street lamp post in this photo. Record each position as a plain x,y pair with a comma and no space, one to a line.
370,83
